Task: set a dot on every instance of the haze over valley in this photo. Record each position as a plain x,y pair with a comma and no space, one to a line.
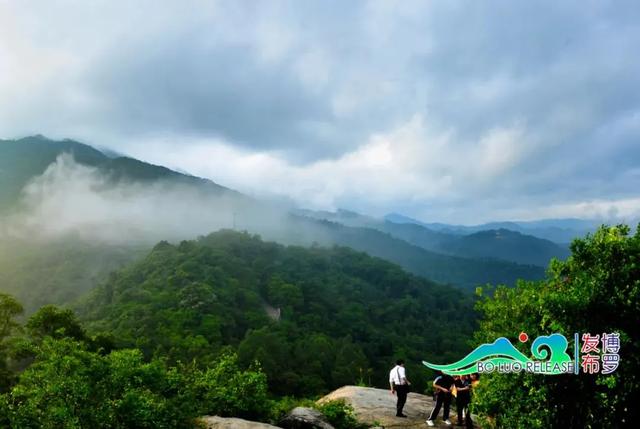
64,191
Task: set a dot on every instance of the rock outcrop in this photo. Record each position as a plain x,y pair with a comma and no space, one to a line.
304,418
215,422
378,407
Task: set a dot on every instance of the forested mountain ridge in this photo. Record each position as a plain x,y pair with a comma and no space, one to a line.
197,310
464,272
508,245
344,315
503,244
23,159
560,231
59,271
132,211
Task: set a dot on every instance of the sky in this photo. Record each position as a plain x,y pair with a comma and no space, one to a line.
457,112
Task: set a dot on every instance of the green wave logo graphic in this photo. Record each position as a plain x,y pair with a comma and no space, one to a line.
502,352
555,343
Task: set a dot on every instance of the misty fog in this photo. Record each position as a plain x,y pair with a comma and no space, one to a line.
71,199
75,224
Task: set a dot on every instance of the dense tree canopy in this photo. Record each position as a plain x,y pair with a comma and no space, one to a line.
71,382
162,338
344,316
58,271
597,290
10,308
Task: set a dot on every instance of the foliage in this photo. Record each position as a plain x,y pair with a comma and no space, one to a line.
280,407
58,271
10,308
340,415
596,290
226,390
54,322
69,386
343,313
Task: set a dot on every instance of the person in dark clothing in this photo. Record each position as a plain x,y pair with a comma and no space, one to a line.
463,398
442,385
399,384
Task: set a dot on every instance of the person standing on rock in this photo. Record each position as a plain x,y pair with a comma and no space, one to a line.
442,385
463,387
399,385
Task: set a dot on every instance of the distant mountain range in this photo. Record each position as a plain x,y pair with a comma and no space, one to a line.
557,230
496,242
447,255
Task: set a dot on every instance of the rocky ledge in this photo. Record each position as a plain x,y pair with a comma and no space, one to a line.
374,407
377,407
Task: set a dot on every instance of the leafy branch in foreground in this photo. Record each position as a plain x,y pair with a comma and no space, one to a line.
596,290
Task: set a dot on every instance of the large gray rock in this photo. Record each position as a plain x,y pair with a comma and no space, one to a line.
304,418
378,407
215,422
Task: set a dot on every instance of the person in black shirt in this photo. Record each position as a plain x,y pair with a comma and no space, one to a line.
442,385
463,398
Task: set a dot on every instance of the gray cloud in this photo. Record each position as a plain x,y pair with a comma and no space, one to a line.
507,103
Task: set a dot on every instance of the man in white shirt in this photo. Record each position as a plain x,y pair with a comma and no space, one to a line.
399,385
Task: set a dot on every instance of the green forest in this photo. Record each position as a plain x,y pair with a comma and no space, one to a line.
285,321
343,315
155,344
596,290
286,214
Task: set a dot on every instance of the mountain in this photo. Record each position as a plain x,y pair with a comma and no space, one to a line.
502,244
402,219
560,231
508,245
59,271
118,221
315,318
463,272
23,159
341,216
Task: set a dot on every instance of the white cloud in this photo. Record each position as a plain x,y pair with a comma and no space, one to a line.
626,210
71,198
411,161
439,108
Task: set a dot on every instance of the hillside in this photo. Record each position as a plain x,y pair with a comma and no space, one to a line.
344,315
127,202
505,245
23,159
561,231
59,271
463,272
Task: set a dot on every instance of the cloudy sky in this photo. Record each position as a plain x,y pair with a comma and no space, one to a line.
445,111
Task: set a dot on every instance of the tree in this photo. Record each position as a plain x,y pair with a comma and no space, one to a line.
187,302
9,309
225,389
595,290
270,348
69,386
55,322
282,294
349,364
